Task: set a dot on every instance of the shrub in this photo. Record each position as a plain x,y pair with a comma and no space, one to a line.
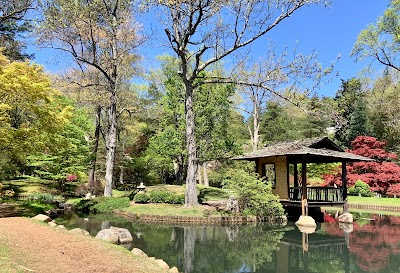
253,194
175,198
141,198
44,197
158,196
360,188
85,206
109,204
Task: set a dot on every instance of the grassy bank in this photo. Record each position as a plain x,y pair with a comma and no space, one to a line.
172,210
374,201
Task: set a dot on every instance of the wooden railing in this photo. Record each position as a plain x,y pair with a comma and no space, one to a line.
317,194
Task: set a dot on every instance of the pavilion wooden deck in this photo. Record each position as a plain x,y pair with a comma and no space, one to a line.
316,197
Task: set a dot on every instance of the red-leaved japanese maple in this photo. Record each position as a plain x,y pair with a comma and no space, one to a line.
379,174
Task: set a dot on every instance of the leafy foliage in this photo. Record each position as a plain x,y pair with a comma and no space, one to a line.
141,198
109,204
253,194
360,188
379,175
159,197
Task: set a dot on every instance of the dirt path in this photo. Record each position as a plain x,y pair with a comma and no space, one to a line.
27,246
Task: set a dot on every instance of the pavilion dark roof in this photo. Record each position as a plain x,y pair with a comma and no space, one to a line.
322,148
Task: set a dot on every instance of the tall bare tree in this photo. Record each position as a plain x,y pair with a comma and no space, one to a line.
205,32
99,35
288,77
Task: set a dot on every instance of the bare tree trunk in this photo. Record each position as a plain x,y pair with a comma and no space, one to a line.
93,162
205,175
189,247
111,144
190,195
199,177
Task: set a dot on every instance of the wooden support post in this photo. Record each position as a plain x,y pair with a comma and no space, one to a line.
344,180
296,175
304,177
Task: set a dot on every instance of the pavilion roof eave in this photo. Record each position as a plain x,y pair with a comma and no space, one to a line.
319,155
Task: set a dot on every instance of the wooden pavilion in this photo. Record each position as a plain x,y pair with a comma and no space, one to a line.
274,162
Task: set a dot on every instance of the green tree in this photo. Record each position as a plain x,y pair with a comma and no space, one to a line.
29,114
101,36
203,33
381,41
69,153
13,24
359,123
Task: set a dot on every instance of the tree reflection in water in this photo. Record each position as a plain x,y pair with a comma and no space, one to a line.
372,246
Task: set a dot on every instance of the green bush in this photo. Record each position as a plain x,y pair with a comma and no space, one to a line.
175,198
158,196
109,204
85,206
360,188
253,194
44,197
141,198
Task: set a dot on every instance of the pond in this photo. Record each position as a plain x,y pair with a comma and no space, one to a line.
371,244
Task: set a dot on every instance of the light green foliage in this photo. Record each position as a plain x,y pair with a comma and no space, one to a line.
212,111
253,194
109,204
360,188
159,197
141,198
29,115
69,153
381,41
287,122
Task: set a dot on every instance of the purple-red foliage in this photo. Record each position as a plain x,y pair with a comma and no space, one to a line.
379,175
393,190
71,177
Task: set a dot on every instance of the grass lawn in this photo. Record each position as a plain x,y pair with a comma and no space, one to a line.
374,201
173,210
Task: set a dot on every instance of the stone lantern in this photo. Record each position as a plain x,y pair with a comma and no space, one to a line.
141,188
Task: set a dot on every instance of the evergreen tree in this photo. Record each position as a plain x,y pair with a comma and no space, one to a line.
359,123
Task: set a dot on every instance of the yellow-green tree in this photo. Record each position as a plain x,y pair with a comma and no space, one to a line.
29,116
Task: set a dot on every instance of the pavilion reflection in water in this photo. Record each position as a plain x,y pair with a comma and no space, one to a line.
309,253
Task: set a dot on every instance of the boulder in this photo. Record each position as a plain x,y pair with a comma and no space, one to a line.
346,218
61,226
346,227
232,204
124,236
52,224
162,264
42,218
306,221
108,235
79,231
173,270
139,252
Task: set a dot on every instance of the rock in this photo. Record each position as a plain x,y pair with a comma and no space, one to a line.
139,252
124,236
346,227
79,231
232,204
108,235
162,264
61,226
306,221
346,218
88,196
52,224
42,218
173,270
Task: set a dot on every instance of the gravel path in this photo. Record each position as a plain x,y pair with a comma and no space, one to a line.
27,246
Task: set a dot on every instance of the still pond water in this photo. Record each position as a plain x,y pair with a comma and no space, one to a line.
373,245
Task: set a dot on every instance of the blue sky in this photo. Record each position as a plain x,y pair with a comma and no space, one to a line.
329,31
